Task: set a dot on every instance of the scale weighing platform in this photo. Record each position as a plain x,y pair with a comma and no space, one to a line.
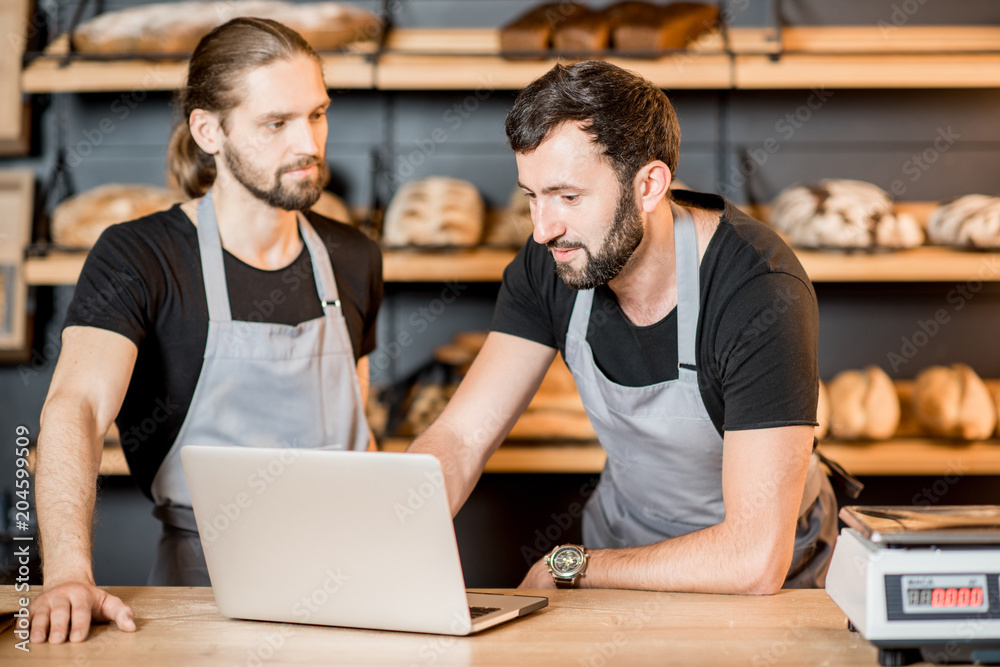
920,583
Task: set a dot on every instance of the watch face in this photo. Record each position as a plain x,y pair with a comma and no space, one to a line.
568,560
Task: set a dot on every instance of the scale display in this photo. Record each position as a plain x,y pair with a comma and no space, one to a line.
936,594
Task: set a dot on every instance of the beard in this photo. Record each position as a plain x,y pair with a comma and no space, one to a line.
613,253
273,192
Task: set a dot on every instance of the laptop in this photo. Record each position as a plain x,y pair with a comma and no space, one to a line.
351,539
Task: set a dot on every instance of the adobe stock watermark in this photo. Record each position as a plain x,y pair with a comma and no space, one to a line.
900,15
453,118
786,127
259,481
919,163
940,487
609,652
416,498
794,633
547,538
420,319
957,297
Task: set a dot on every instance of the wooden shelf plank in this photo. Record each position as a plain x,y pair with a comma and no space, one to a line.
899,457
871,39
795,71
927,264
916,456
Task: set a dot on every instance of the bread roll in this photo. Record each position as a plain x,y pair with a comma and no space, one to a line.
863,404
177,27
972,220
79,220
843,214
823,412
530,34
3,299
642,27
435,211
952,401
584,32
331,206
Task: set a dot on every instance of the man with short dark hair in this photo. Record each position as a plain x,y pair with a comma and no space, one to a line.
231,320
691,331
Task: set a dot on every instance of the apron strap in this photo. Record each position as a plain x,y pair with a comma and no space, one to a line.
580,319
688,291
326,284
212,268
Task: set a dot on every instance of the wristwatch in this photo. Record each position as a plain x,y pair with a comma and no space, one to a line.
566,563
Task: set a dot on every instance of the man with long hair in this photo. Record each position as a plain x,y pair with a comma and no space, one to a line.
233,319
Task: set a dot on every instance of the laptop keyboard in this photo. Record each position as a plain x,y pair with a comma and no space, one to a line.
476,612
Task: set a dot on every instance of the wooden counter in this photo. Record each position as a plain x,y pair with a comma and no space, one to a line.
181,626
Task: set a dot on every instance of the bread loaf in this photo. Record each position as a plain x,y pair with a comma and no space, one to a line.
843,214
3,299
972,220
530,34
823,412
583,33
435,211
331,206
642,27
863,404
952,401
79,220
177,27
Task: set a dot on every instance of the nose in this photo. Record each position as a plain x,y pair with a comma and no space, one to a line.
306,141
545,219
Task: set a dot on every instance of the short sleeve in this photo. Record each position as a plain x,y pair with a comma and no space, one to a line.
766,348
523,305
114,288
376,293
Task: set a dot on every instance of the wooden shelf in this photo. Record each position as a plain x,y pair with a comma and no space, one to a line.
48,75
894,458
926,264
469,59
473,265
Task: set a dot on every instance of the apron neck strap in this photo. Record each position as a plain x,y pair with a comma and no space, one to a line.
214,272
212,269
688,286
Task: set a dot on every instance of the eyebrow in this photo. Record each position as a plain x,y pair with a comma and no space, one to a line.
287,115
554,188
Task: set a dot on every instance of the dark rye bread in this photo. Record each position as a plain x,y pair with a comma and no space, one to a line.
644,27
531,33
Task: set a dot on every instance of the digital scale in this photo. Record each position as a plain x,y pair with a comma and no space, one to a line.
920,583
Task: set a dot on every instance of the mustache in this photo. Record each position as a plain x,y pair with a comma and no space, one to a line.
302,164
561,244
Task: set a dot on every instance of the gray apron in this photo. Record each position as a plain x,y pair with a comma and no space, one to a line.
261,385
663,476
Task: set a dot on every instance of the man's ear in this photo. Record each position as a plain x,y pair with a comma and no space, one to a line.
653,182
206,130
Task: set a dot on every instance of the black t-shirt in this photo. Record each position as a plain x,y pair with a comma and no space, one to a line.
143,280
756,349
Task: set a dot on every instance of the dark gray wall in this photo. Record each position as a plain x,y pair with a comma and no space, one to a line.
870,135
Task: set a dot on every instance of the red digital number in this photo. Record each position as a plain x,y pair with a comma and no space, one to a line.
976,597
963,597
950,596
937,597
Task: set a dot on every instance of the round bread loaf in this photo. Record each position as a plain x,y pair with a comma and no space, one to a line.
953,401
838,213
177,27
972,220
79,220
437,211
863,404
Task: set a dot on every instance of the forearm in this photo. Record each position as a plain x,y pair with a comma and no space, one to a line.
719,559
69,447
462,459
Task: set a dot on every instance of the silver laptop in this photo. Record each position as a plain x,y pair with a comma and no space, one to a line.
352,539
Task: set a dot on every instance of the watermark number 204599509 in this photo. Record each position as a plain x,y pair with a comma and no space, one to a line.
20,528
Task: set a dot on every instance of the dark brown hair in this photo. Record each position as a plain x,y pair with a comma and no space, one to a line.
219,63
627,116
